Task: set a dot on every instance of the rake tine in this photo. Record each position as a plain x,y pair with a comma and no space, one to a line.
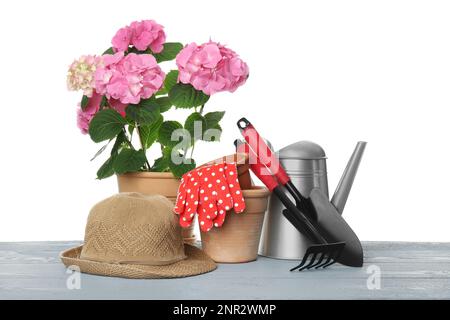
295,268
335,256
333,261
304,260
311,262
322,256
329,257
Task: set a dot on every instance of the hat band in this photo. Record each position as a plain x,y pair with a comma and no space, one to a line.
153,263
143,261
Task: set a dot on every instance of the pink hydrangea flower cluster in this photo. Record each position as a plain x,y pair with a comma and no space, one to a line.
211,68
128,78
81,74
141,34
85,116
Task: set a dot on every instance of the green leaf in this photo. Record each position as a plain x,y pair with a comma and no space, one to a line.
160,92
178,164
164,104
166,130
129,160
149,133
136,51
196,125
108,51
105,125
146,112
170,51
104,102
213,134
84,102
130,129
167,153
179,169
213,118
185,96
106,170
150,102
162,164
170,80
120,140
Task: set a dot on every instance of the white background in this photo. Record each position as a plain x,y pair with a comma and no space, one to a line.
333,72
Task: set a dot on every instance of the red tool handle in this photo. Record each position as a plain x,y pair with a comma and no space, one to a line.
242,147
256,166
262,150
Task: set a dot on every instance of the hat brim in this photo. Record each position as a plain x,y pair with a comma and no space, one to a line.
197,262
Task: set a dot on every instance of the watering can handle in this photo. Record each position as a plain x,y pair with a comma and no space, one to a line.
262,151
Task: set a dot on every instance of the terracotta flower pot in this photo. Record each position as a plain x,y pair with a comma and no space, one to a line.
238,239
163,183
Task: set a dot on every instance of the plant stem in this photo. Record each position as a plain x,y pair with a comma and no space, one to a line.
138,129
127,140
131,136
193,143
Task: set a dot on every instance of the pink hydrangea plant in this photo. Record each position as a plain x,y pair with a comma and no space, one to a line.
142,35
128,78
211,68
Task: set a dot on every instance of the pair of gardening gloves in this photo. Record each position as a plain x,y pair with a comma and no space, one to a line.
210,191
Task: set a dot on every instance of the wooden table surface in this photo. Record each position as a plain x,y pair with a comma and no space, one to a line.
32,270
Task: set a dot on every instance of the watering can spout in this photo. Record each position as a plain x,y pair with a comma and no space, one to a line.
345,184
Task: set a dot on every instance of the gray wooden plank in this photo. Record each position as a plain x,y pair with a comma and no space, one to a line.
32,270
236,288
263,268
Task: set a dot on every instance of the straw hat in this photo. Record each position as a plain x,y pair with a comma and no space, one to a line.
132,235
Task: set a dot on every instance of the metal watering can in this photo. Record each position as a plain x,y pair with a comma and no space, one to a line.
305,163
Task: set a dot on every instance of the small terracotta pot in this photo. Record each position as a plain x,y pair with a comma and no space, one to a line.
238,239
163,183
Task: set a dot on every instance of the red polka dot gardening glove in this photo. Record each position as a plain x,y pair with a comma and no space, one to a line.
209,191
